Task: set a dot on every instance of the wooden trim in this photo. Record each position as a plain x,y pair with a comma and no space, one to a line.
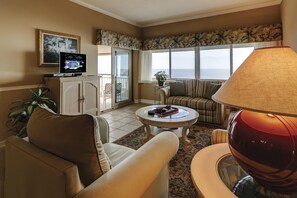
104,54
15,88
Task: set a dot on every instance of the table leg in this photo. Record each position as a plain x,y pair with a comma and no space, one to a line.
148,133
184,135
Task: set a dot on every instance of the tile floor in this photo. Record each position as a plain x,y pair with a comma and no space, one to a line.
122,121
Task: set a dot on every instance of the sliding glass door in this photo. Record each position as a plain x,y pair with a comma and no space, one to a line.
121,69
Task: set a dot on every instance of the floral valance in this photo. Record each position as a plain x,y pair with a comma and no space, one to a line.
260,33
109,38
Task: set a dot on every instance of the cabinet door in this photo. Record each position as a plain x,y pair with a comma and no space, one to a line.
71,98
91,96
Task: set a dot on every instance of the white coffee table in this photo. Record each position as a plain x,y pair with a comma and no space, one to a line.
182,120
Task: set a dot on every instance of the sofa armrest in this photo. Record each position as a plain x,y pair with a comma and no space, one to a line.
164,94
103,129
133,176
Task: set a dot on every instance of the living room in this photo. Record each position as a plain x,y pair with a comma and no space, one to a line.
22,20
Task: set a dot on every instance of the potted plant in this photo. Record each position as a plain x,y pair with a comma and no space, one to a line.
161,77
21,110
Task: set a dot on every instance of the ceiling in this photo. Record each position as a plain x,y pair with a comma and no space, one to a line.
143,13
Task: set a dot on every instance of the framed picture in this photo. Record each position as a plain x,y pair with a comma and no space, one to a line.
52,43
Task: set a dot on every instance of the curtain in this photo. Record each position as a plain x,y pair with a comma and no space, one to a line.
145,67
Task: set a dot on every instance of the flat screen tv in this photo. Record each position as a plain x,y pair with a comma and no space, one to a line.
72,63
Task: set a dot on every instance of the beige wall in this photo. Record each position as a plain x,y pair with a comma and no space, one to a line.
20,21
289,16
239,19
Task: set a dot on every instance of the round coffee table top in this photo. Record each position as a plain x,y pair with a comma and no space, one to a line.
184,115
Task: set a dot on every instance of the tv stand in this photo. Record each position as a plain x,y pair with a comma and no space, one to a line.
76,95
71,74
76,74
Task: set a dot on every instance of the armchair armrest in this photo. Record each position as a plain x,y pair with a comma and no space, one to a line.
103,129
164,94
2,167
132,177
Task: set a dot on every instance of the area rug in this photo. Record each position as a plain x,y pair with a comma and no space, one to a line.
180,182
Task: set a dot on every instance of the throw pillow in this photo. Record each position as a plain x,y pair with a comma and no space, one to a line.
177,89
73,138
211,89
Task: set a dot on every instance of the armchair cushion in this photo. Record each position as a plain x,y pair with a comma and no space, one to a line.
54,133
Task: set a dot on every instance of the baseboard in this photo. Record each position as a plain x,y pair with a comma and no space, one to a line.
149,101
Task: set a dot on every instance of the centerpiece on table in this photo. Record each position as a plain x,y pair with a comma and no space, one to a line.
161,77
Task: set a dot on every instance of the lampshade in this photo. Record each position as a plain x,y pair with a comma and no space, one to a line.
265,82
263,136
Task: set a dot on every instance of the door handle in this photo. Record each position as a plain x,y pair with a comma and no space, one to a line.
81,99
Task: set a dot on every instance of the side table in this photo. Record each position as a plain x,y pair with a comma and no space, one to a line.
205,174
215,173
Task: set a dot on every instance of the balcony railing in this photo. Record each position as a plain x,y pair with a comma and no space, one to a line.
106,90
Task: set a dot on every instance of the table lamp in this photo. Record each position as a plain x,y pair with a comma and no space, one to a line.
263,135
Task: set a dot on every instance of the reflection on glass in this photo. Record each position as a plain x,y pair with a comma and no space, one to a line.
241,184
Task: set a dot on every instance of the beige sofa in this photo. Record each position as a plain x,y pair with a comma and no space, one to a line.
195,94
30,172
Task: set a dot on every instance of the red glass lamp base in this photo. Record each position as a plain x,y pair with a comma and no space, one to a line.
264,145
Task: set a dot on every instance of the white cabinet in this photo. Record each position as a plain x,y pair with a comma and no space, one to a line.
75,95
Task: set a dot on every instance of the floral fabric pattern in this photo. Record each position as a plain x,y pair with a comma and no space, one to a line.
260,33
113,39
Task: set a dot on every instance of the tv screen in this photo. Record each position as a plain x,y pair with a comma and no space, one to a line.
72,63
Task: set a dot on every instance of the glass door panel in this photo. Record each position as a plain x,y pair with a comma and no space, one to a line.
122,73
104,70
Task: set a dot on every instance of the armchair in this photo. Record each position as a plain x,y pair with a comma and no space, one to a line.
32,172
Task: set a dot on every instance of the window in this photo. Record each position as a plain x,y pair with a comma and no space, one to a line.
104,64
215,62
183,63
206,62
240,53
160,62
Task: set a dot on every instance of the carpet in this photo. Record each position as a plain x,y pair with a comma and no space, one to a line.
180,182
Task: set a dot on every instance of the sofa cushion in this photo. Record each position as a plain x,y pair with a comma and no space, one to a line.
211,89
190,87
177,89
73,138
178,100
202,103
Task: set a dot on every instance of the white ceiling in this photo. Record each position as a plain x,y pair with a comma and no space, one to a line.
143,13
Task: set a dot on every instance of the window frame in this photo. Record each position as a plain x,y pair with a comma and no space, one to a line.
197,56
